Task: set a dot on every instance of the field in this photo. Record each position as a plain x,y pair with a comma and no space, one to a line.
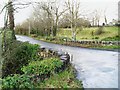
86,33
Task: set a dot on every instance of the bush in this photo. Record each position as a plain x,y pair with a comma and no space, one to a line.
65,79
49,38
115,38
99,31
16,82
43,68
81,28
63,39
17,55
21,30
96,37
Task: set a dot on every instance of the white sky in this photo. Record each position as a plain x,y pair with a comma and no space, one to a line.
111,7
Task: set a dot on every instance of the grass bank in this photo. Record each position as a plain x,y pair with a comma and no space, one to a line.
65,79
57,40
23,68
86,33
109,34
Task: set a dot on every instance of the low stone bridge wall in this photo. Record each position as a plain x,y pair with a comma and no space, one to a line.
91,42
49,52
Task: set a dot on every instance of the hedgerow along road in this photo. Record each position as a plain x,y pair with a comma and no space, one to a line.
95,68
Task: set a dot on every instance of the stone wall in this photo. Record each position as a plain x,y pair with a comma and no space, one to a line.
97,42
49,52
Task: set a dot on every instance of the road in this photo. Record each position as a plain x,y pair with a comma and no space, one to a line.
96,68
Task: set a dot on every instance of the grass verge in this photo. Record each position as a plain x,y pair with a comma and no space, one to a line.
17,80
65,79
86,33
102,47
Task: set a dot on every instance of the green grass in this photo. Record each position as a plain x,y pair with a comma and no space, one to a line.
115,38
65,79
107,47
111,47
86,33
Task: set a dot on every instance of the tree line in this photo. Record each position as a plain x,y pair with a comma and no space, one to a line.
48,17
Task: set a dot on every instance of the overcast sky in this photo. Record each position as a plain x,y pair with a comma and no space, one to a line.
111,7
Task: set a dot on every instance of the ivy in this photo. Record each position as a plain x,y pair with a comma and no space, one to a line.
17,81
44,67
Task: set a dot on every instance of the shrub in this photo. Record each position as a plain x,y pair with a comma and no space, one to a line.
43,68
16,82
99,31
115,38
81,28
49,38
96,37
17,55
21,30
65,79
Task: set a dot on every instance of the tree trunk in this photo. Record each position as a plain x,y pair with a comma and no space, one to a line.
73,33
93,21
29,29
4,43
98,23
55,29
11,19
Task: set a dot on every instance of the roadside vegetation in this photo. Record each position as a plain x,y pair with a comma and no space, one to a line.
59,25
24,68
63,37
92,46
110,47
1,58
65,79
108,34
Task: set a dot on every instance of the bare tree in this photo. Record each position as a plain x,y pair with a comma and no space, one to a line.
97,17
105,17
93,21
42,18
57,13
91,17
49,13
11,18
12,6
4,31
74,8
47,7
54,12
64,21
